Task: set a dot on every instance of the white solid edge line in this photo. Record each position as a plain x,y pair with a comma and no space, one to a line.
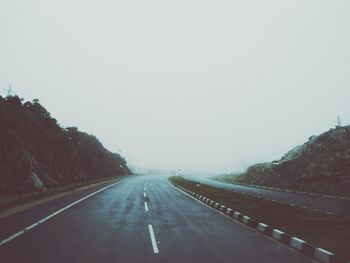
146,206
203,204
153,240
28,228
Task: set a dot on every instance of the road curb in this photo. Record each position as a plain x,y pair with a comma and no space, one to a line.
7,210
295,243
53,191
347,198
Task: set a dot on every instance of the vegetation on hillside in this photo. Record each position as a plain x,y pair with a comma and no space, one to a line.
320,165
36,153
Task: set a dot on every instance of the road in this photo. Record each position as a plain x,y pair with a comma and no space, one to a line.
141,219
327,205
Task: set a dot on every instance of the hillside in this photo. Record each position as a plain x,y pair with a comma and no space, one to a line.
320,165
36,153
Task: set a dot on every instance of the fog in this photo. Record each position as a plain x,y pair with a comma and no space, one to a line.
205,86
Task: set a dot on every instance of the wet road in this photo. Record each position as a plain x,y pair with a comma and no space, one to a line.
327,205
141,219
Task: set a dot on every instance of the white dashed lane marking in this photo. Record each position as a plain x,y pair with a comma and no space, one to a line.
153,239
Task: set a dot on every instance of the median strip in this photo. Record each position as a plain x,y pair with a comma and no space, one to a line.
276,220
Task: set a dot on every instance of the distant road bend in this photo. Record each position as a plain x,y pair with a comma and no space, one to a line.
327,205
140,219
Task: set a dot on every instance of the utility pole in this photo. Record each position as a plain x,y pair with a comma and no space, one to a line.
338,122
8,91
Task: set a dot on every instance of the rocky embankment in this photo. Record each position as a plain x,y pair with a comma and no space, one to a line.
37,154
320,165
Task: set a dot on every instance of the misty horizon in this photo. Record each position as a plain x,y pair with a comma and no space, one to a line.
201,86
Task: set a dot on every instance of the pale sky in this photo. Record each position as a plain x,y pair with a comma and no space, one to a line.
205,86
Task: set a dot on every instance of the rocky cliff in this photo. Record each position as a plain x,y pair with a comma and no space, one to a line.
36,153
320,165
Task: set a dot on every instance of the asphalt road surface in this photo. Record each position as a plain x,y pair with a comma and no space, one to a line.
141,219
327,205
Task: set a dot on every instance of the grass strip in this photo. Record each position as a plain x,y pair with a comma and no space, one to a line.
330,232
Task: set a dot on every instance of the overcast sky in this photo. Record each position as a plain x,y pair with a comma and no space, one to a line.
206,86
